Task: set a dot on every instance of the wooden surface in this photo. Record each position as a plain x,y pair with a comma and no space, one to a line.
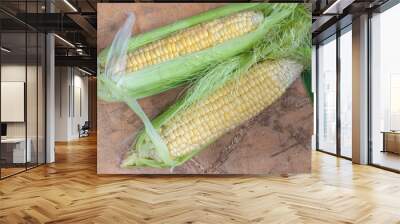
275,142
391,142
7,171
70,191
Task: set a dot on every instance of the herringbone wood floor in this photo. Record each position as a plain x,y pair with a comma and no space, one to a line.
69,191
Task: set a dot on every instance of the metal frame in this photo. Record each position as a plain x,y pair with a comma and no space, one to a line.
316,97
0,92
338,98
37,92
369,105
45,91
26,90
44,75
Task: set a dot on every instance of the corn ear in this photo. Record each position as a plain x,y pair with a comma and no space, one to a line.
290,39
157,78
193,39
193,128
162,32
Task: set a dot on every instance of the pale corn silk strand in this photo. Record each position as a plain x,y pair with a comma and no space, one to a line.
115,65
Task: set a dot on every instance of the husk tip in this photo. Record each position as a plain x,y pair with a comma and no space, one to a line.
129,161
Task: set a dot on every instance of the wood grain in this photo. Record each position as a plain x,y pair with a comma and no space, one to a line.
70,191
275,142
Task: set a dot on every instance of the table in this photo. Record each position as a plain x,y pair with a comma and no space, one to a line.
18,151
391,141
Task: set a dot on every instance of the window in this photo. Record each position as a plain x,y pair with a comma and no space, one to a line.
327,96
330,133
385,89
346,92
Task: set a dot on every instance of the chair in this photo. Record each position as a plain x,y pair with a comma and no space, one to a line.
84,130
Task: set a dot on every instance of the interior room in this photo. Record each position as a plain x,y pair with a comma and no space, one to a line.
71,100
62,154
22,103
25,87
334,114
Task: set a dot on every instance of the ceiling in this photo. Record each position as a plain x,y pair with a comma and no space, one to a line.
57,5
331,15
74,22
16,42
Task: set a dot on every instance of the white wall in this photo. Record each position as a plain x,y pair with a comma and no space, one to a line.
62,81
13,100
70,83
12,73
79,117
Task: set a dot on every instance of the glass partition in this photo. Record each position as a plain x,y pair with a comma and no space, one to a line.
22,77
327,95
346,93
14,153
385,89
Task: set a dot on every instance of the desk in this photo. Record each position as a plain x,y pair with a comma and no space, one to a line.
391,141
18,151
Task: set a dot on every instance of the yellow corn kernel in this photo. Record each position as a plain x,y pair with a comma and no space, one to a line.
225,109
194,39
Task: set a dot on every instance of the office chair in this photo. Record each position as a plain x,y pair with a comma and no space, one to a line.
84,130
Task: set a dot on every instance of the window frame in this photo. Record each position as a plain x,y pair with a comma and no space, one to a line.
337,35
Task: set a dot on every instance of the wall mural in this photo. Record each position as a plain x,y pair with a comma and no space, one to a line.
204,88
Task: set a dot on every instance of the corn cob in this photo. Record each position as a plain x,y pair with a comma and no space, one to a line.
194,39
238,100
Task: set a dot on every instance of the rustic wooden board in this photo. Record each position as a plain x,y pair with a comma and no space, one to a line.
275,142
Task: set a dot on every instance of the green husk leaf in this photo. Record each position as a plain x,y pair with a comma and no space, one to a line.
117,62
170,74
164,31
160,147
291,38
307,81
